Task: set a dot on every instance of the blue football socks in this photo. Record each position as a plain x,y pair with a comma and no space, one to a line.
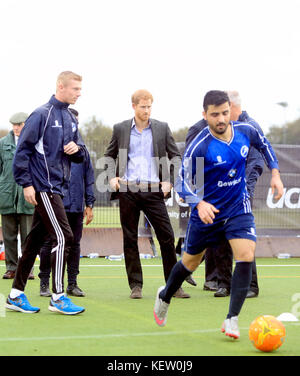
240,284
175,280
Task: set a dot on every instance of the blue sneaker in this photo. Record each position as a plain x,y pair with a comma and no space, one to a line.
20,304
65,306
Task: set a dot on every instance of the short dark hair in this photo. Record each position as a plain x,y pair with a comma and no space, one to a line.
215,98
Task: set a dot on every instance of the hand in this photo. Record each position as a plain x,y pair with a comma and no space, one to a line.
206,212
276,184
29,195
166,187
88,213
114,183
71,148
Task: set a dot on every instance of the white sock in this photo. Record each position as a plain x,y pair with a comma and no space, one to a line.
14,293
57,296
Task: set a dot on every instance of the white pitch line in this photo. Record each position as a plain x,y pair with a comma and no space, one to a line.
109,336
123,335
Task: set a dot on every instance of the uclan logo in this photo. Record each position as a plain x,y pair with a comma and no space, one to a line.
290,198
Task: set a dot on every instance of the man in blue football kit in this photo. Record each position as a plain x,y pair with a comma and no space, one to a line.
219,201
218,260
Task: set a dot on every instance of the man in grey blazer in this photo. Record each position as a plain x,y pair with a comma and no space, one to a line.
142,160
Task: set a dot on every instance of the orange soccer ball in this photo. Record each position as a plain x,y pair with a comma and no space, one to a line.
267,333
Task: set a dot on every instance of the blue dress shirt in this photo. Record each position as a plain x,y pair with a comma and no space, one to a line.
141,166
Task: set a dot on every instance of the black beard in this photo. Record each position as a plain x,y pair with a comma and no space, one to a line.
221,131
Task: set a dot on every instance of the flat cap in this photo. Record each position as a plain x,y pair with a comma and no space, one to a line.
19,117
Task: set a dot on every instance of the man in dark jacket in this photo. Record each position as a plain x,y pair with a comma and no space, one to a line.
141,180
218,261
49,142
78,202
16,213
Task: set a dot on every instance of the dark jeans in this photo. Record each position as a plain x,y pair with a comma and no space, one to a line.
73,256
153,206
49,220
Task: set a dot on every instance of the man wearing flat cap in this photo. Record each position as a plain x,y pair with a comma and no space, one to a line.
16,213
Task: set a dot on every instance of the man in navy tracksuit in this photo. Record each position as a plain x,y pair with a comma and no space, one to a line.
49,142
78,202
218,261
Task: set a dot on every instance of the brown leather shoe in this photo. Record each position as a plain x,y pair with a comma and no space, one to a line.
136,293
10,274
210,286
191,280
181,294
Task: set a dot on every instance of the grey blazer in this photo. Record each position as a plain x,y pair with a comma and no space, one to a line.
168,159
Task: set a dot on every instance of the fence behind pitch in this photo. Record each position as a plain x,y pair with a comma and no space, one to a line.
280,218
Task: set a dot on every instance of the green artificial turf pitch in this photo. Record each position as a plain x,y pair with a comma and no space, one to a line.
114,325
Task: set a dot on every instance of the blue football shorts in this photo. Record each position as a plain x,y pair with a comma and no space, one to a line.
200,236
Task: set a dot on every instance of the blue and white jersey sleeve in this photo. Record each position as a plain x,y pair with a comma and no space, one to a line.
260,142
214,170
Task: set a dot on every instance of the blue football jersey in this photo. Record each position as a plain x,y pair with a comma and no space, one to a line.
215,171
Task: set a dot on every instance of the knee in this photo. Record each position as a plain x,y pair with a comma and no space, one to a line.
191,265
192,262
249,258
243,249
245,256
65,239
